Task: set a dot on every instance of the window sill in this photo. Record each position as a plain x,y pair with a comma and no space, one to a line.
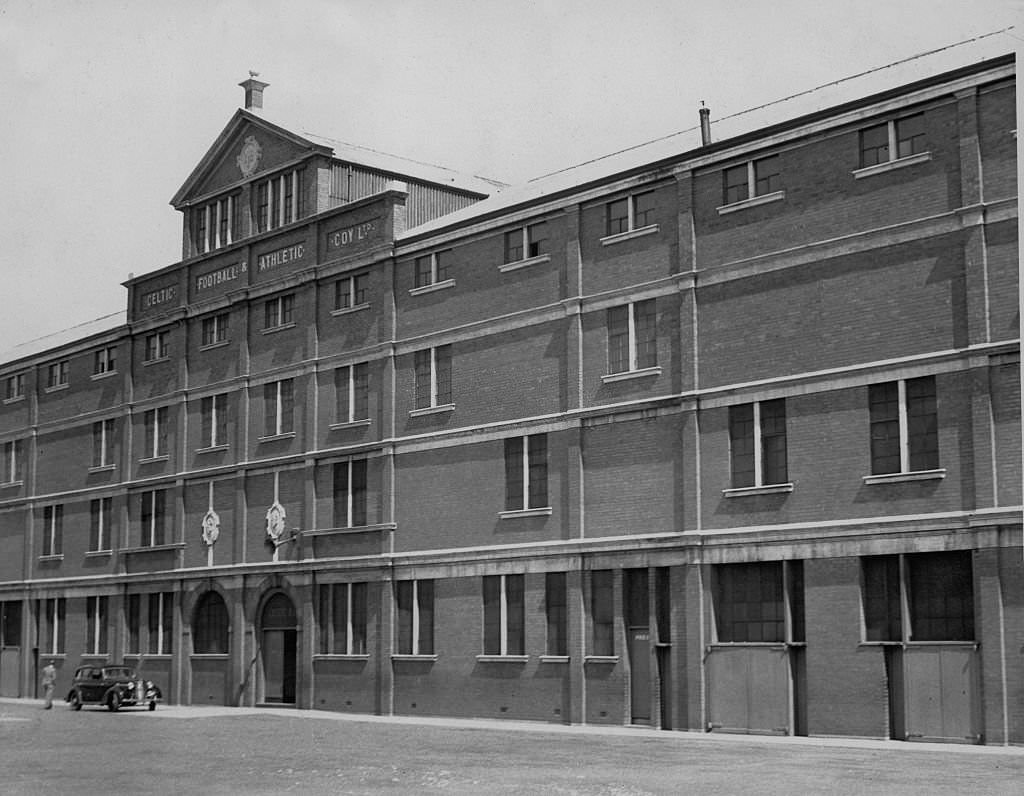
56,388
546,511
275,437
156,548
891,165
896,478
99,553
16,399
341,656
212,449
554,659
503,658
349,310
419,291
412,657
105,375
763,199
9,484
627,375
609,240
53,557
150,656
767,489
156,361
211,346
600,658
153,459
97,655
382,526
432,410
275,329
102,468
526,263
349,424
210,656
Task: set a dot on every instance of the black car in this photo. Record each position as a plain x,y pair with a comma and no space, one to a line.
113,686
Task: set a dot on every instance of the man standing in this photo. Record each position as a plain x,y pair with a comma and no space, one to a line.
49,681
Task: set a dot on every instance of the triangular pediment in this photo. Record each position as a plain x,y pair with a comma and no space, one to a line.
247,147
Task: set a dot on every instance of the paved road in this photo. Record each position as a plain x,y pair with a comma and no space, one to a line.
251,751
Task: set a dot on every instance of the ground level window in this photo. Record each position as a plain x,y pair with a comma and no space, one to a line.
210,626
941,596
556,610
342,619
504,615
415,600
749,604
602,612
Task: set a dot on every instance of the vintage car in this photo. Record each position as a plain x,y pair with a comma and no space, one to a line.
113,686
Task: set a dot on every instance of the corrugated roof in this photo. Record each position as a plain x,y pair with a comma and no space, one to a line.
830,95
64,337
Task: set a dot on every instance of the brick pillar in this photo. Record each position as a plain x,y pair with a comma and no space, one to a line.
577,585
385,688
973,218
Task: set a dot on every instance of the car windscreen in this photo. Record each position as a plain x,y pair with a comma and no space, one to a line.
118,673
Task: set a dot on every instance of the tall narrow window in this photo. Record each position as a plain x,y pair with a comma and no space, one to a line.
350,494
350,291
415,600
210,626
341,617
504,615
526,472
214,411
279,408
103,443
14,462
155,422
279,200
53,530
757,439
96,632
101,519
352,388
433,377
602,612
161,623
632,337
556,613
133,617
153,518
904,426
54,613
881,598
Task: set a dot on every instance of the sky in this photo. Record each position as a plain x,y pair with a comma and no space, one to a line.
108,105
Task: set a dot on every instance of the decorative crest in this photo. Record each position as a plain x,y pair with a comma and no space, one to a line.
249,156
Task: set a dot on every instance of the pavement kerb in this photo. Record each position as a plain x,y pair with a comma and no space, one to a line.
508,725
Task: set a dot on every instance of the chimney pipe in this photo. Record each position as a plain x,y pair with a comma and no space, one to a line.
705,125
253,92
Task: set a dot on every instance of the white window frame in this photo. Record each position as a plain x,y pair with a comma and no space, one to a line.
12,449
277,213
349,646
53,639
152,418
434,406
894,161
57,375
503,651
350,279
415,645
759,487
104,361
350,390
105,510
150,532
219,325
156,347
905,473
215,415
753,198
279,410
433,284
53,517
634,351
94,632
526,259
278,303
161,596
106,432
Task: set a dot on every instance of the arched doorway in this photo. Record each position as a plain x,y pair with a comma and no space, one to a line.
278,632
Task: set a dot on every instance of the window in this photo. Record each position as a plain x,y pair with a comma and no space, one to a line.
214,411
433,269
279,200
350,494
526,472
939,588
415,600
215,224
904,426
133,616
210,626
892,140
153,518
352,387
433,368
279,311
161,623
156,346
52,633
53,530
342,619
556,613
10,623
104,361
630,213
752,179
350,291
96,631
155,423
57,375
749,603
632,337
602,612
215,330
757,443
14,387
14,461
103,443
504,615
279,408
101,524
527,242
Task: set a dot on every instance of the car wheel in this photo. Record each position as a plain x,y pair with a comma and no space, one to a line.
113,701
76,703
152,705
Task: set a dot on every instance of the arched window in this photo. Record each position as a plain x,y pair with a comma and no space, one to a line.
210,626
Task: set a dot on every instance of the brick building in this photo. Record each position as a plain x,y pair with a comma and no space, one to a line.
718,433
